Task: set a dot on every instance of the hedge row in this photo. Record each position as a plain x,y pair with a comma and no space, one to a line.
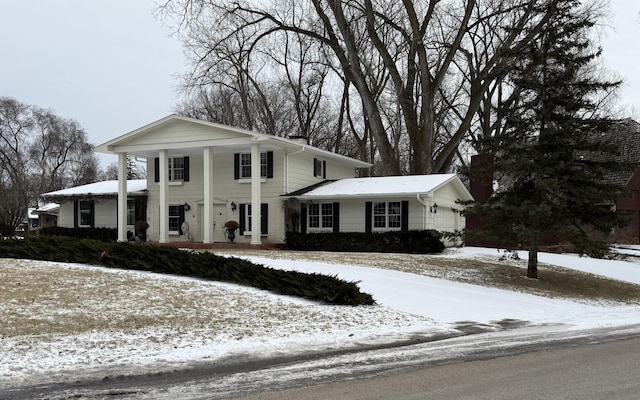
414,242
102,234
169,260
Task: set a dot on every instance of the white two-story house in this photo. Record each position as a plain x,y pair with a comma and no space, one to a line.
203,174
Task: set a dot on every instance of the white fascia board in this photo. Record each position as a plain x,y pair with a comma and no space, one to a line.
358,196
183,145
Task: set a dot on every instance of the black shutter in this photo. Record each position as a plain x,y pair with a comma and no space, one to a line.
404,225
243,223
156,165
336,217
264,218
186,169
269,164
75,214
315,166
92,214
368,211
236,166
303,218
324,169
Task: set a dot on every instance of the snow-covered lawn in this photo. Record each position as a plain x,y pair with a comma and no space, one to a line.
63,321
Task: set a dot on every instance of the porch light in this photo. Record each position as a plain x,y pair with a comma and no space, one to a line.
233,206
434,208
187,207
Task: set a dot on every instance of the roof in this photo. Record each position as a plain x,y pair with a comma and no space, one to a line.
48,208
626,135
386,186
221,138
104,188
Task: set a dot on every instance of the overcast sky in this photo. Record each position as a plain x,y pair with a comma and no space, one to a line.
111,66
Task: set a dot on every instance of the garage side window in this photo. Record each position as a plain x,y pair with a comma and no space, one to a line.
387,215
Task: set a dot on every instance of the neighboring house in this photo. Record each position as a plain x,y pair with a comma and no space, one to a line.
202,173
626,134
47,215
95,205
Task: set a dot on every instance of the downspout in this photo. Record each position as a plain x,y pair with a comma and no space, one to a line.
426,209
426,205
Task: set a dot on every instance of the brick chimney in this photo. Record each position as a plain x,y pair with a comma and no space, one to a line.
481,177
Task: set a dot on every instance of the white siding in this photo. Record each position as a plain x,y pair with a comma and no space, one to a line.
182,132
105,214
65,215
226,189
300,171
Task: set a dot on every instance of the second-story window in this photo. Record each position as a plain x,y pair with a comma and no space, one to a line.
319,168
176,169
242,162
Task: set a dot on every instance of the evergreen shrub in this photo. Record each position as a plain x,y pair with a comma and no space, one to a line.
413,242
102,234
169,260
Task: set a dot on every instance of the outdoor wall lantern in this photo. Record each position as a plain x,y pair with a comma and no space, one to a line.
434,208
187,207
233,206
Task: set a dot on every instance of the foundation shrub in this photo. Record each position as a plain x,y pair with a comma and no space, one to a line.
412,242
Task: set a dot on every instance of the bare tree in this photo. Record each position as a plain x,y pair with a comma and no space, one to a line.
134,170
39,152
397,56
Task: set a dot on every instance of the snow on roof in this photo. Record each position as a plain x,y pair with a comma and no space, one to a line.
47,208
381,186
103,188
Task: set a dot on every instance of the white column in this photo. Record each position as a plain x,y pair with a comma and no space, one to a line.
164,196
122,197
256,194
208,195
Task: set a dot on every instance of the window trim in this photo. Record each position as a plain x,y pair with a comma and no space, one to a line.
131,211
370,214
319,168
170,168
173,169
180,216
242,169
89,212
320,216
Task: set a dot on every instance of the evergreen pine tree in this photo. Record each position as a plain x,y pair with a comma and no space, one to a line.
552,157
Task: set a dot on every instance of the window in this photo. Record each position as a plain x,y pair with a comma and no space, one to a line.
242,165
176,215
85,213
319,168
131,212
245,165
387,215
320,216
246,217
176,169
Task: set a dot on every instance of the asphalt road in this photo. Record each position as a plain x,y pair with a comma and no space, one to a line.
518,364
608,371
